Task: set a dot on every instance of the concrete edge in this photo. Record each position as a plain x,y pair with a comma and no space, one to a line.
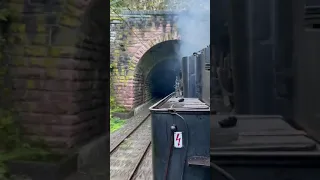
94,151
141,107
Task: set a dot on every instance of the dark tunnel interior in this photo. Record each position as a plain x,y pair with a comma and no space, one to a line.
162,77
157,71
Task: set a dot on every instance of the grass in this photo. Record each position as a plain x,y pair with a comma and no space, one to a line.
50,158
116,123
30,154
118,109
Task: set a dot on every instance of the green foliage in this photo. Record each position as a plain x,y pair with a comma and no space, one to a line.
116,123
9,133
113,103
118,108
4,14
22,153
155,5
143,4
14,147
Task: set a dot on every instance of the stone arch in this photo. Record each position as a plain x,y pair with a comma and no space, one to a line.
141,82
149,44
59,69
127,84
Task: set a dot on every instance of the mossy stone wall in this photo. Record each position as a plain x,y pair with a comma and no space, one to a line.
57,57
131,36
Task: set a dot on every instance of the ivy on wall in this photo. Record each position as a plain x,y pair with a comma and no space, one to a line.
150,4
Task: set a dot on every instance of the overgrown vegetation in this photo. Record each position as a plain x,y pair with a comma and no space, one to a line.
12,144
149,4
115,123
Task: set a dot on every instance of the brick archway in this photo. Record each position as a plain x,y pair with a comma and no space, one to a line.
131,40
134,87
146,46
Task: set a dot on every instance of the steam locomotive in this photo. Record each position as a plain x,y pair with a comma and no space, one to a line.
260,117
265,65
181,122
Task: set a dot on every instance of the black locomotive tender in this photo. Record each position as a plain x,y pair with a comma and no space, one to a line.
180,124
263,122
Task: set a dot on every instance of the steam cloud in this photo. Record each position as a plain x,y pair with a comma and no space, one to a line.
194,26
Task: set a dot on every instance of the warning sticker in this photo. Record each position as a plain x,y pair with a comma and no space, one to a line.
177,139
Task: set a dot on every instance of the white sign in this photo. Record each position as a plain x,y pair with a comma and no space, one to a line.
177,139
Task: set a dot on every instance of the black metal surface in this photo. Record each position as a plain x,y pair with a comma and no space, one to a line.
250,32
267,148
175,104
196,75
199,161
185,76
275,168
277,134
261,166
205,73
198,68
275,54
192,77
284,147
195,138
218,22
306,62
312,2
260,46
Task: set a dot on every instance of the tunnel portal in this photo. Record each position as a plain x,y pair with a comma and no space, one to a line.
156,72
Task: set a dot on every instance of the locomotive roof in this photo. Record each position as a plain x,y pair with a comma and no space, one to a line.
187,104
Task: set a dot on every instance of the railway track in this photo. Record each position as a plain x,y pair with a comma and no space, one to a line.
129,153
113,148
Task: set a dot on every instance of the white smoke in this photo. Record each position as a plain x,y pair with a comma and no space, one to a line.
193,25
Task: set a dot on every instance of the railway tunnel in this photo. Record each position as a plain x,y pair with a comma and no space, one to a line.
156,72
162,78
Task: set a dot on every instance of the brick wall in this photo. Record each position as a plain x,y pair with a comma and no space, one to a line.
58,64
58,68
138,90
130,43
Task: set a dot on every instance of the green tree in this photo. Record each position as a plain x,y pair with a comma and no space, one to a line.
147,4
